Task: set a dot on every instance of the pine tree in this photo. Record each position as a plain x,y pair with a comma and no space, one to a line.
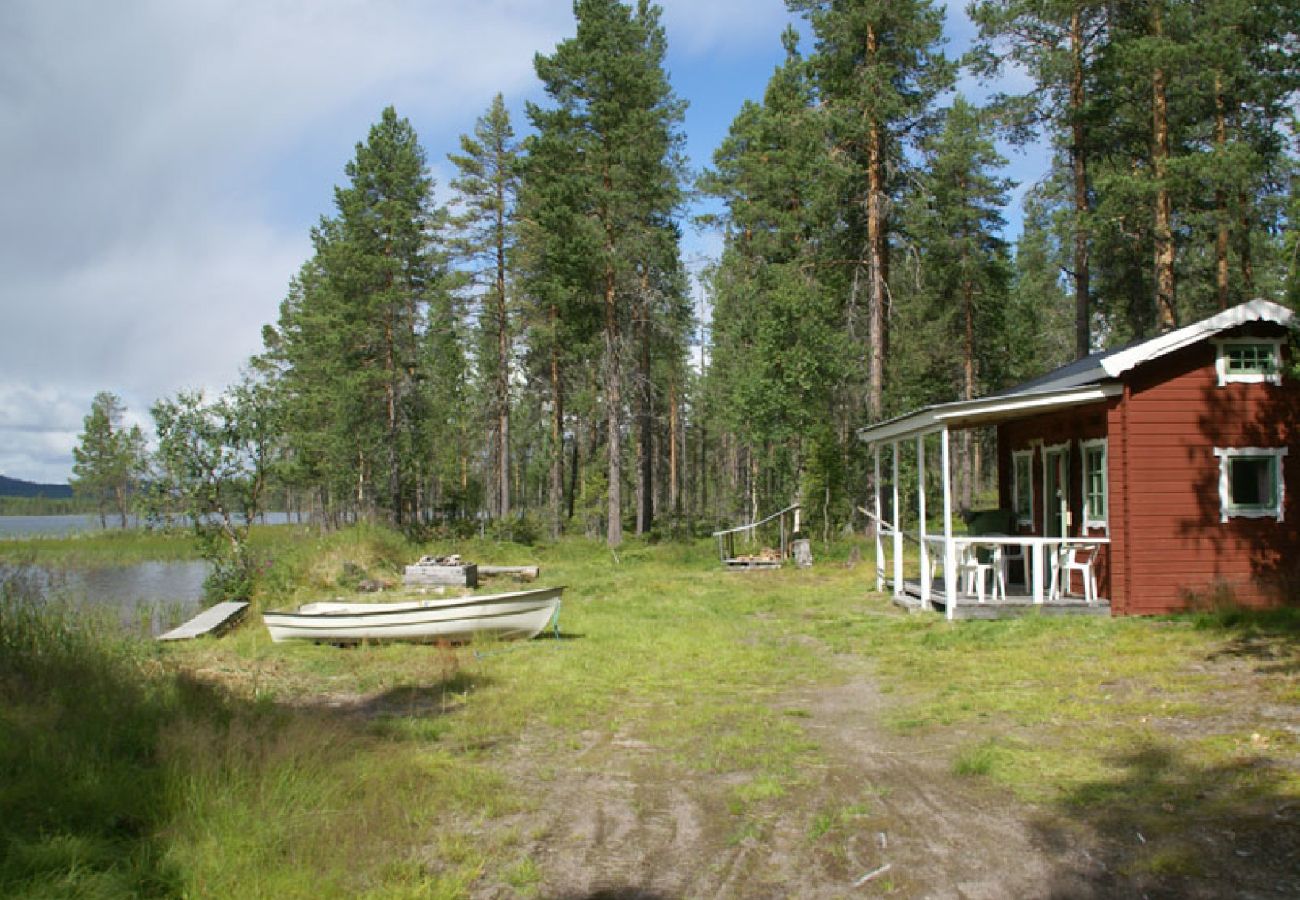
965,268
357,339
487,187
780,352
1058,41
609,148
877,67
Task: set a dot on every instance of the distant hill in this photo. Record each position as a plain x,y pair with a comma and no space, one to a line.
13,487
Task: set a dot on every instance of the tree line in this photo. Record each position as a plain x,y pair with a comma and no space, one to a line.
529,355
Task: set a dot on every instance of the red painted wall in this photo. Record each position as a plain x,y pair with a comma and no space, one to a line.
1169,547
1070,426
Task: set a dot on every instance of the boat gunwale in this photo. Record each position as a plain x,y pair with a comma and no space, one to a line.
416,606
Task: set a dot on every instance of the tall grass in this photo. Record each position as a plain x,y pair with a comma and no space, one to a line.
124,776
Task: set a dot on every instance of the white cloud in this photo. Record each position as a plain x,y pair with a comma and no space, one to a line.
144,237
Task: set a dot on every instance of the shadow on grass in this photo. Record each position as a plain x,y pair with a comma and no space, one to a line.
107,755
1270,638
1168,827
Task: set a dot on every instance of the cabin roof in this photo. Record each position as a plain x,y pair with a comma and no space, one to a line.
1090,379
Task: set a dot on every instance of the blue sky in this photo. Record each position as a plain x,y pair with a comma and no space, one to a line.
166,162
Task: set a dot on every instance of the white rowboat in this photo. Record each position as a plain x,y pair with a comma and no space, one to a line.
519,614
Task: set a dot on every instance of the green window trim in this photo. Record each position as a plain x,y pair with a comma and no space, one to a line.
1096,484
1249,360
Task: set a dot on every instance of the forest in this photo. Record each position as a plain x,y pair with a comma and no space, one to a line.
530,358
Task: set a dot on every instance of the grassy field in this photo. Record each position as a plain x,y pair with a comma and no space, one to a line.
239,768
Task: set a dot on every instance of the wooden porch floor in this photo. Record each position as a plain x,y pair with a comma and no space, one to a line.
1018,602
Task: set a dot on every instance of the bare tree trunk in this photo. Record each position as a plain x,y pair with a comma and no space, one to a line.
1220,196
1166,311
1243,239
613,412
644,450
503,362
966,496
557,430
674,439
877,346
1079,164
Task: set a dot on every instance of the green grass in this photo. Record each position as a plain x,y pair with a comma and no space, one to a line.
238,767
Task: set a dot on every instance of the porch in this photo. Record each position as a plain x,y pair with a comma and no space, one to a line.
1050,560
1011,606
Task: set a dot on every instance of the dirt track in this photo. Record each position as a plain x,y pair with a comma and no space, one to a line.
615,820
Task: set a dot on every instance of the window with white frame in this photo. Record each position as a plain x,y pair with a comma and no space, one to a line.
1094,484
1251,484
1022,486
1251,360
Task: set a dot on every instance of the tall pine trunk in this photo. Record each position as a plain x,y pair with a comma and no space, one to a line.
876,251
674,440
1166,312
1220,196
645,422
503,356
1079,165
613,377
557,430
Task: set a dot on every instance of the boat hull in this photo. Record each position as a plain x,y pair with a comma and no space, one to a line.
515,615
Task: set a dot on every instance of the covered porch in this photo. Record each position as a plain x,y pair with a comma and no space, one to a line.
1005,566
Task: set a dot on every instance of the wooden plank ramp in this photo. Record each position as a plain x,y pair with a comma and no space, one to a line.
212,620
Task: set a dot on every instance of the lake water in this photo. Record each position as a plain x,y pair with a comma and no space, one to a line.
55,526
150,596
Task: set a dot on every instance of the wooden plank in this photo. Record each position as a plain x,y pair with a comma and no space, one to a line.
525,573
212,620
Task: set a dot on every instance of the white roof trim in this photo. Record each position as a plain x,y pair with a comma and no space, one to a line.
1117,364
986,410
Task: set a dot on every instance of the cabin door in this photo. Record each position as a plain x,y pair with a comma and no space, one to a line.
1056,491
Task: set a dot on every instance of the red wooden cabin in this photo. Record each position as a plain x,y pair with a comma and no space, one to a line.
1169,457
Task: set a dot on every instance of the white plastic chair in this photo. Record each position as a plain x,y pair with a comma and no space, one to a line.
1072,558
972,570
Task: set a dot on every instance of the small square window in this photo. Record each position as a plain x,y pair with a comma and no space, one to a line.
1249,361
1251,482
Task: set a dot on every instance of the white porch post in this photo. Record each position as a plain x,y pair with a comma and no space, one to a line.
949,551
898,531
880,542
920,525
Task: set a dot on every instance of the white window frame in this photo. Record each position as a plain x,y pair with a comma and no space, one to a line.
1226,509
1028,457
1221,362
1084,447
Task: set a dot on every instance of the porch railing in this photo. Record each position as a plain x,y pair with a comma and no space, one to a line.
935,551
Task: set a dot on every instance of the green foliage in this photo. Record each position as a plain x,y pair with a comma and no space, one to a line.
213,459
601,187
110,460
367,361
